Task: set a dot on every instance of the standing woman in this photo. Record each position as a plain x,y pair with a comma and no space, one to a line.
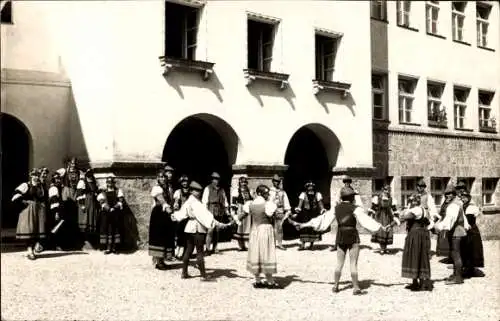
70,236
416,263
88,210
111,200
472,245
383,209
31,226
310,206
239,197
55,211
159,222
180,197
45,183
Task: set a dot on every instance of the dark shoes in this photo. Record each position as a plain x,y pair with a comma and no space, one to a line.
161,266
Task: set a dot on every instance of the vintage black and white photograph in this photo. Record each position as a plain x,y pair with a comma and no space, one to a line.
250,160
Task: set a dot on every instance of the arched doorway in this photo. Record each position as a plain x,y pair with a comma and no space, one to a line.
311,154
15,155
201,144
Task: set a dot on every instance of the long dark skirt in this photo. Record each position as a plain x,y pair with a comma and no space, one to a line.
87,217
472,249
443,245
416,257
308,234
32,223
110,227
384,217
160,234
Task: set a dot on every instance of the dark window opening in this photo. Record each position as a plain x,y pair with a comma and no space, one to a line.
260,45
326,50
181,30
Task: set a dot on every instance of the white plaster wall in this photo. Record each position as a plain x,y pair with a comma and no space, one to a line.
123,99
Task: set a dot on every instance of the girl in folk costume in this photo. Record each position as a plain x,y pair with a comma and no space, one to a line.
416,255
442,244
216,201
180,197
310,206
200,219
70,236
280,198
472,245
347,215
111,200
384,211
239,197
160,222
88,210
31,226
55,210
169,190
261,257
45,183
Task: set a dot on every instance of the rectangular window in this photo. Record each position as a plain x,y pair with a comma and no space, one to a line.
404,8
379,9
260,45
459,106
326,52
485,116
482,23
468,181
432,16
377,185
438,186
436,115
408,187
181,31
406,97
458,20
6,12
379,95
489,186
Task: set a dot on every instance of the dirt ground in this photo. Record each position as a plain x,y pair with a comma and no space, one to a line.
90,285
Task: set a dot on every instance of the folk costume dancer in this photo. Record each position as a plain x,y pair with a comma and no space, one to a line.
416,254
56,210
472,245
180,197
45,183
200,219
384,212
111,200
69,234
283,211
347,180
347,215
88,210
310,206
169,198
456,225
239,197
159,222
31,225
214,197
261,257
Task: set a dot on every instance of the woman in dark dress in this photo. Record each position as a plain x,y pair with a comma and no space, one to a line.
180,197
472,245
88,210
416,257
310,206
383,209
239,197
32,224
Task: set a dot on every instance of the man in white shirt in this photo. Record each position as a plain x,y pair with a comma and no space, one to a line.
280,198
214,197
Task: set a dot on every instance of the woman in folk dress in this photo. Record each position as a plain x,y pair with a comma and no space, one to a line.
310,206
31,226
472,245
383,210
88,210
181,195
239,197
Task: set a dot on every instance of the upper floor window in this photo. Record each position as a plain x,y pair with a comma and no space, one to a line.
6,12
488,188
404,13
482,16
458,19
485,116
460,96
379,96
326,52
406,97
260,45
436,115
438,185
379,9
181,31
432,16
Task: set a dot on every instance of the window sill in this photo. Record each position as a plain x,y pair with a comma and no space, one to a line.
437,124
409,124
464,129
252,75
486,48
7,23
331,86
491,209
407,27
435,35
461,42
169,63
488,130
380,19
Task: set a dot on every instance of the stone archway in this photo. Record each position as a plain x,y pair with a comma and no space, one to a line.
311,154
15,158
201,144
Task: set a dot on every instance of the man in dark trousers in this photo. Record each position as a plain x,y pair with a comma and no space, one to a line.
214,197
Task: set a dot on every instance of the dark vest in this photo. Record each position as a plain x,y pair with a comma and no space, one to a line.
215,200
310,202
344,213
111,197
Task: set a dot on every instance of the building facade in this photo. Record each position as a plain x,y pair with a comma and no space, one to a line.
239,87
435,82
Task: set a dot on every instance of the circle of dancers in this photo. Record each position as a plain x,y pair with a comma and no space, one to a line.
73,210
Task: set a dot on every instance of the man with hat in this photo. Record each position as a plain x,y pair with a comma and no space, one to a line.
180,197
426,199
456,225
310,206
214,197
283,211
200,219
239,197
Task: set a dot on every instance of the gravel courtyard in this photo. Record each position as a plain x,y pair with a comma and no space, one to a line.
79,285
